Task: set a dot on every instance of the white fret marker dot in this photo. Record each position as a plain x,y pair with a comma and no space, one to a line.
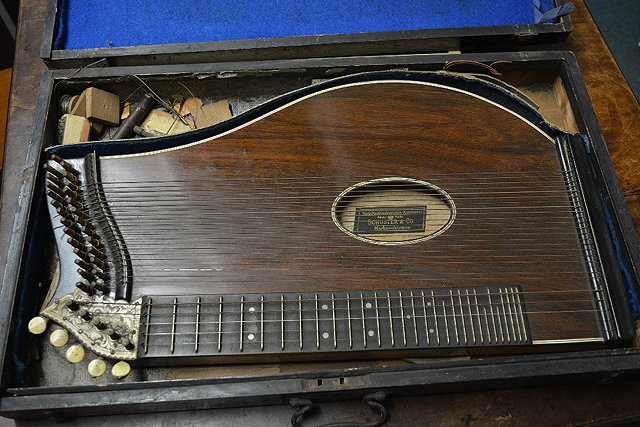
431,331
371,333
251,337
252,309
368,305
325,306
325,335
429,304
408,316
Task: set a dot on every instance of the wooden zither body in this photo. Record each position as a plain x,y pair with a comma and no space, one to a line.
375,216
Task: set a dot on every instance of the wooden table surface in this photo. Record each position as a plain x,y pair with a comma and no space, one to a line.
619,115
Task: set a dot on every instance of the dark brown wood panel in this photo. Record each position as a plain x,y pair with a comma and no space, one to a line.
252,209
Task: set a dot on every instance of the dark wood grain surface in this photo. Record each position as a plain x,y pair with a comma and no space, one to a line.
246,213
619,116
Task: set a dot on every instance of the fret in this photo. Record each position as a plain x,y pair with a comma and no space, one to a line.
220,325
317,324
241,322
510,314
493,319
333,309
375,300
147,326
486,320
524,326
515,313
197,325
282,322
435,318
464,323
364,325
426,324
262,323
446,322
300,324
475,301
404,329
349,320
455,322
504,315
472,325
173,325
393,341
415,321
513,329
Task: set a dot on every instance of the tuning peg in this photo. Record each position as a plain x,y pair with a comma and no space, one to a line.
53,171
37,325
84,314
75,243
97,367
86,275
59,337
63,163
75,353
113,333
127,344
121,369
53,188
99,324
97,252
85,287
100,285
73,202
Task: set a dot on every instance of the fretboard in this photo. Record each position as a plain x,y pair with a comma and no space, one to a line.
272,324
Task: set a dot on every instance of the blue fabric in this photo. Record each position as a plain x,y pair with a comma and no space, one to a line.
627,276
542,17
96,23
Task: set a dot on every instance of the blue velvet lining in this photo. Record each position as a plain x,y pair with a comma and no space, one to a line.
627,277
94,23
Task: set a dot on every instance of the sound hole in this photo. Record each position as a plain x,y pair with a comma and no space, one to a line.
393,211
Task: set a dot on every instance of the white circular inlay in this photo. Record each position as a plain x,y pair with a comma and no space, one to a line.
368,305
252,309
325,306
251,337
371,333
325,335
429,304
408,316
431,331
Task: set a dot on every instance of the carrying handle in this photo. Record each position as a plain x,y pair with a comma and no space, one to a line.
372,400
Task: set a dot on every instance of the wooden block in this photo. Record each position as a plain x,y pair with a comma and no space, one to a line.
211,114
73,129
164,123
98,106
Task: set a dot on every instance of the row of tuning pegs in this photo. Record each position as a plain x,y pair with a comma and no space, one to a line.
76,353
64,188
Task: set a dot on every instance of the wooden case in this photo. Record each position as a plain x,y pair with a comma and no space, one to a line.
551,79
